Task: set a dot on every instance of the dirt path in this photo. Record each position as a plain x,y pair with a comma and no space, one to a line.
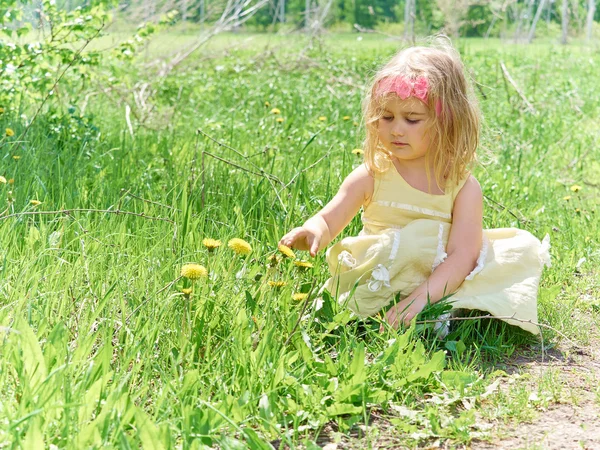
571,422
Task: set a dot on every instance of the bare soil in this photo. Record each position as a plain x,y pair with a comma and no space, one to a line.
572,422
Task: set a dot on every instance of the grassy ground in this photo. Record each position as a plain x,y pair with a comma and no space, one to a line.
101,345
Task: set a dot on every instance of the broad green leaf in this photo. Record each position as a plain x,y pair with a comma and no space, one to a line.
148,432
341,409
33,359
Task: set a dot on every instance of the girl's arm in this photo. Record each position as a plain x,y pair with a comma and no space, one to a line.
323,227
464,245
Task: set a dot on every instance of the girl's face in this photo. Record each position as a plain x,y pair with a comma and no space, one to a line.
402,129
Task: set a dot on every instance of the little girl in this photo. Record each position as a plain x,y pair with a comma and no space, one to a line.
422,233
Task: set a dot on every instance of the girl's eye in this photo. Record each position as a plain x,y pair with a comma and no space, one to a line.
412,121
388,118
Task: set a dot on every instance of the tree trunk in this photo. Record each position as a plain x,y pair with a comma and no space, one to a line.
282,11
307,15
538,14
590,18
407,18
565,21
184,9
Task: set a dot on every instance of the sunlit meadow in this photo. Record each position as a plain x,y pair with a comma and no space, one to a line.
132,319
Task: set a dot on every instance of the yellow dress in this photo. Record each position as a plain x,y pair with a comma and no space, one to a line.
404,238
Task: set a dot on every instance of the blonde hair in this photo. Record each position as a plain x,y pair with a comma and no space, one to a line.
454,132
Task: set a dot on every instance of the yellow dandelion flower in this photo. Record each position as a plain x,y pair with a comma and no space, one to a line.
346,118
211,244
577,210
10,132
193,271
286,251
276,284
267,104
575,188
11,181
1,109
303,264
322,118
358,151
279,120
299,296
2,179
355,124
16,157
275,111
240,246
35,202
566,198
186,291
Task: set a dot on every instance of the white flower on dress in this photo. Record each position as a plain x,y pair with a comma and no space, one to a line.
347,260
379,277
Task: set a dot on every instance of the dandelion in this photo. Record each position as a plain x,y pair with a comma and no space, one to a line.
276,284
267,104
272,260
11,181
299,296
275,111
355,124
10,132
35,202
575,188
16,157
239,246
2,179
211,244
577,211
566,198
346,118
279,120
186,291
322,118
303,264
358,151
1,109
286,251
193,271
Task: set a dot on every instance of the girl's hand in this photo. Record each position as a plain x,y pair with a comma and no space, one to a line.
404,312
302,238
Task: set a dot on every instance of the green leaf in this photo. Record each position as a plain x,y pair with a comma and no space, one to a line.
33,359
34,437
254,442
342,409
147,431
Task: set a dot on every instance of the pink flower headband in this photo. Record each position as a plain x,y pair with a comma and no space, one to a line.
404,87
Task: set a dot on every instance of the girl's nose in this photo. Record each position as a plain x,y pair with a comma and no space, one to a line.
397,132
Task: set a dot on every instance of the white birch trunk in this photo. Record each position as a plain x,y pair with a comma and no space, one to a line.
307,15
564,21
184,10
590,18
407,18
538,14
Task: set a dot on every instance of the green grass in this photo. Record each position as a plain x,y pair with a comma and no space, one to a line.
101,347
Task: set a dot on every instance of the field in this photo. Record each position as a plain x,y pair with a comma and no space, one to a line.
104,345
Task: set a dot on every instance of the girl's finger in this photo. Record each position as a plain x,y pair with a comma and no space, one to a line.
314,246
